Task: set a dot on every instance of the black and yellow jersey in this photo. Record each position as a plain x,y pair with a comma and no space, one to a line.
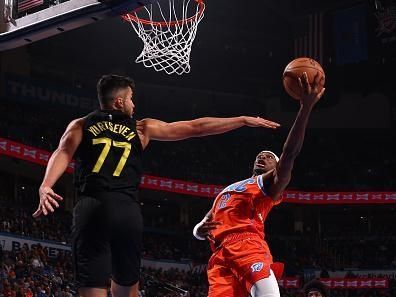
109,157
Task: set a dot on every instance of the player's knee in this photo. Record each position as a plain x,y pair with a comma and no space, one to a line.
266,287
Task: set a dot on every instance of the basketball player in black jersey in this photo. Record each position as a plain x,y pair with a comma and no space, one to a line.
108,145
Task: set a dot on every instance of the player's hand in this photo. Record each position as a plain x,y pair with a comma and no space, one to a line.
205,229
260,122
311,93
48,201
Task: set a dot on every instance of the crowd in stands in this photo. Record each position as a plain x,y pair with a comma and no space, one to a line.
30,269
335,252
165,283
30,272
20,221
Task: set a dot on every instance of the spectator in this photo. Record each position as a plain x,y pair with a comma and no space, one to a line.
315,288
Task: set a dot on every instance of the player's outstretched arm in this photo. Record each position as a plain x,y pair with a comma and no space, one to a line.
295,139
57,165
159,130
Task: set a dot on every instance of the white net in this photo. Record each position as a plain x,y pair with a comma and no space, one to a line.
167,34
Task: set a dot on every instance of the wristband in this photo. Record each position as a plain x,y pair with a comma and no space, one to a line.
195,230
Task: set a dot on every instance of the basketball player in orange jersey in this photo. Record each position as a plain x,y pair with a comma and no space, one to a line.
108,146
241,261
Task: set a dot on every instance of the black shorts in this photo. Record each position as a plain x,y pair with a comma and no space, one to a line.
106,240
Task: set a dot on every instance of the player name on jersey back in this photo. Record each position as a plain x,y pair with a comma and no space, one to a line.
99,127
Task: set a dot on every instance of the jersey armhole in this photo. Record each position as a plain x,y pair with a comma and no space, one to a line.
260,184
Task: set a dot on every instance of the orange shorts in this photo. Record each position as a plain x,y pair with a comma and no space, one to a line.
237,265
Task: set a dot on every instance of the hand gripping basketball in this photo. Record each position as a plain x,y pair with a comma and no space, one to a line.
310,93
295,70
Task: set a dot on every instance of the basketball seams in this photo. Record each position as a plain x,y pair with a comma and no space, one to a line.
304,66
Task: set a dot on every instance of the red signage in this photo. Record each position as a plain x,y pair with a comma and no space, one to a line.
31,154
355,283
289,282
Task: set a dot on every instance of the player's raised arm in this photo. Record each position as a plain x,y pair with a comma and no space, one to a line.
295,139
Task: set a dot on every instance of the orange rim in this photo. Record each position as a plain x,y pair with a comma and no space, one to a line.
130,16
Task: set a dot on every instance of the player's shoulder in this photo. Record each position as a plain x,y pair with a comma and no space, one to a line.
142,124
147,125
148,121
77,123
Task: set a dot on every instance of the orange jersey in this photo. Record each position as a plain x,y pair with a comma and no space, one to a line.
242,207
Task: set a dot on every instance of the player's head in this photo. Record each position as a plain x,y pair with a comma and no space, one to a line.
264,162
315,288
116,92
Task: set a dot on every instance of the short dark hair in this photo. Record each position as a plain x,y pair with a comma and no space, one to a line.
109,84
315,285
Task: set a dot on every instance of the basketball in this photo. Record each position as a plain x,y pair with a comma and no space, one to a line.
295,69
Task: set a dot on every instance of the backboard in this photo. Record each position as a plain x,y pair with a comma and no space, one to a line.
26,21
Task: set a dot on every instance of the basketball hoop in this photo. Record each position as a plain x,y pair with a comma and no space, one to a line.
167,34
